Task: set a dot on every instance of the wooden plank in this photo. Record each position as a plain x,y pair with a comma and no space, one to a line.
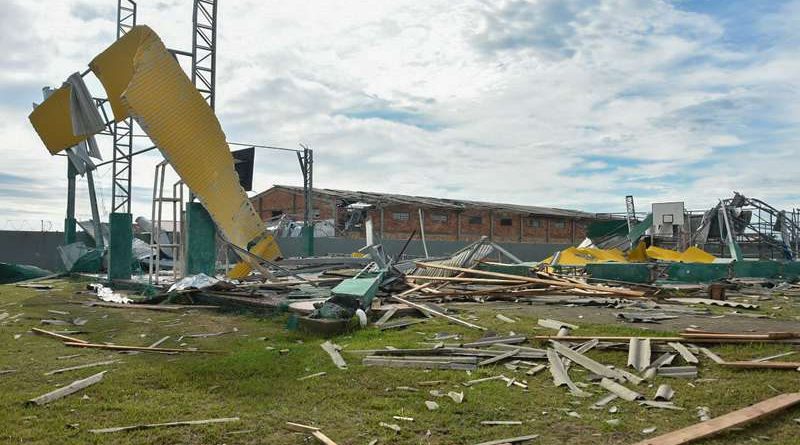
437,313
58,336
731,420
626,292
300,428
74,368
510,440
64,391
137,348
386,316
466,279
333,351
323,438
401,363
159,425
415,289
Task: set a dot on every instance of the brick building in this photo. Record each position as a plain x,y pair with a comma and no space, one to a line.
396,216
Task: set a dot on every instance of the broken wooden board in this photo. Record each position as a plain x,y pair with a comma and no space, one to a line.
510,440
160,425
72,388
137,348
731,420
333,351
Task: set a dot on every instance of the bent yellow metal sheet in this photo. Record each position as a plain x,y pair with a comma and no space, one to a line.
114,67
52,121
172,112
267,248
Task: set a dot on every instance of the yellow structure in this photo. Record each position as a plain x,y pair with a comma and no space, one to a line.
690,255
143,80
52,120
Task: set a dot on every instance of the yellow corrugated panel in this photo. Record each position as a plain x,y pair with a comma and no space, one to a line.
114,66
53,122
172,112
575,256
267,248
638,254
690,255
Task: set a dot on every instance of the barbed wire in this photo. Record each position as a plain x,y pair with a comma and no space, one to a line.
29,225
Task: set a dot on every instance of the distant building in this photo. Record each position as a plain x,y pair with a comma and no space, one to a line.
397,216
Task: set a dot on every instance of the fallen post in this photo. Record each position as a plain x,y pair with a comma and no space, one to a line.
75,368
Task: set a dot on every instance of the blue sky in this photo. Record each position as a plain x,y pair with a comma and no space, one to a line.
551,102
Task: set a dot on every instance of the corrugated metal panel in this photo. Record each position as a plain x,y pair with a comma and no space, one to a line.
52,121
466,257
114,67
172,112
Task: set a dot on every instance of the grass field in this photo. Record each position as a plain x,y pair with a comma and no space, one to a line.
257,382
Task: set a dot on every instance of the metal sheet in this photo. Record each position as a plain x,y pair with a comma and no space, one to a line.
172,112
53,122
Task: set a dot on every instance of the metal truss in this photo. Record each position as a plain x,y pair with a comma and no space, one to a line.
123,130
204,48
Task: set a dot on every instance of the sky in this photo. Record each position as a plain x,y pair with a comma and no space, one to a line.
570,104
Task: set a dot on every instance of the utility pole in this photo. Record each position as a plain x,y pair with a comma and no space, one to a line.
306,160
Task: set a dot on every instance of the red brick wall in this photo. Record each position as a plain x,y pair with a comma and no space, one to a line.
543,230
290,203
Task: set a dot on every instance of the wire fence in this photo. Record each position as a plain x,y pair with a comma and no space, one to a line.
29,225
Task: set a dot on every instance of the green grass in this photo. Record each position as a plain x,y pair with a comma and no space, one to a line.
261,387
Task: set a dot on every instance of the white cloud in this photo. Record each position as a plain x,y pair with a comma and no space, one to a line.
549,102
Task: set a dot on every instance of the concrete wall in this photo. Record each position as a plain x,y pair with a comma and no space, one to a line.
294,247
35,248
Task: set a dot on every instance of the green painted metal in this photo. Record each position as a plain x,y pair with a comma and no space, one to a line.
628,272
201,245
90,262
791,270
70,222
523,270
599,229
757,269
639,229
308,234
11,273
362,288
120,254
697,272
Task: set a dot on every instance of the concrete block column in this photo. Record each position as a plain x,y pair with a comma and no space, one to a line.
201,237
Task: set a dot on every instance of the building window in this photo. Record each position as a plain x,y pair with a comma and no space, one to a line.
559,224
315,213
506,222
439,217
400,216
667,218
475,220
276,213
534,222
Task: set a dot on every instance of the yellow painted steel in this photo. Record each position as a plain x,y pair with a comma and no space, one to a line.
690,255
267,248
114,66
638,254
53,122
580,256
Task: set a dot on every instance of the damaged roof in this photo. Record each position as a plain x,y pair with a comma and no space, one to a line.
350,196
